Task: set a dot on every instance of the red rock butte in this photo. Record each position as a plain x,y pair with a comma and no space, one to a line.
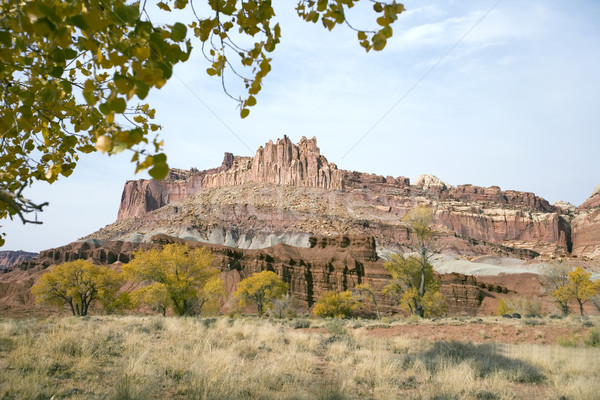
514,219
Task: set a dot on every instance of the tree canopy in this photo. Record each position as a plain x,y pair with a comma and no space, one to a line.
175,276
261,288
74,76
406,278
77,284
579,287
336,305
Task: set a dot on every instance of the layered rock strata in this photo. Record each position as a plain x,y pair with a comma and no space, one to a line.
10,258
264,208
329,263
585,226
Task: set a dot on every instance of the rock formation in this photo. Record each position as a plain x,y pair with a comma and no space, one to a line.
329,263
586,227
287,192
10,258
280,163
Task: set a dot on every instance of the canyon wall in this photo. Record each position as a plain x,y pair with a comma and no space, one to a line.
586,227
10,258
335,263
517,219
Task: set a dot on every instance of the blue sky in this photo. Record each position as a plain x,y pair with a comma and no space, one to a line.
484,92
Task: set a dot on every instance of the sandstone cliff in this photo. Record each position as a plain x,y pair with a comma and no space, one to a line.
329,263
586,227
10,258
287,192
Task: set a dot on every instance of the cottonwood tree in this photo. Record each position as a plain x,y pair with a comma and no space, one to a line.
420,221
176,276
553,277
579,287
367,291
78,284
74,75
260,288
284,306
407,277
336,305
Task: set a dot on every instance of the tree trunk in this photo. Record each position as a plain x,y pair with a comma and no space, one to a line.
423,262
259,308
565,308
72,308
580,307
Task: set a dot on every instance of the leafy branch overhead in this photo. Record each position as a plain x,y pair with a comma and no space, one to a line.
74,75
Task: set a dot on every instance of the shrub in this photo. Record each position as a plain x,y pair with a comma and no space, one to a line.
505,308
336,305
529,307
567,341
593,337
336,327
301,324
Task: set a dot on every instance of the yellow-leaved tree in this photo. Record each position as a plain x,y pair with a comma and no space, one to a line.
260,288
336,305
78,284
176,277
579,287
74,75
420,220
407,276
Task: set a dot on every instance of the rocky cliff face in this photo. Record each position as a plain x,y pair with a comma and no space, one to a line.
280,163
141,196
586,227
329,263
10,258
287,192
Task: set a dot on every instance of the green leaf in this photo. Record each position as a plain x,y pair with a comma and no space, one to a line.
180,4
104,108
5,38
387,32
141,89
245,112
69,53
79,22
159,170
56,71
117,105
379,44
127,14
178,32
251,101
67,87
211,71
164,6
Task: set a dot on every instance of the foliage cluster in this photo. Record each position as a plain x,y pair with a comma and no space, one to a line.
407,273
261,288
74,75
336,305
177,277
579,288
526,306
78,284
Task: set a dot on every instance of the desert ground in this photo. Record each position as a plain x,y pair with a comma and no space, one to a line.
240,357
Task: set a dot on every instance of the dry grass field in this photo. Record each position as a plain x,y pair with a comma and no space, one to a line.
141,357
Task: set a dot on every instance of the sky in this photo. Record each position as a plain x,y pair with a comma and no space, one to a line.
485,92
